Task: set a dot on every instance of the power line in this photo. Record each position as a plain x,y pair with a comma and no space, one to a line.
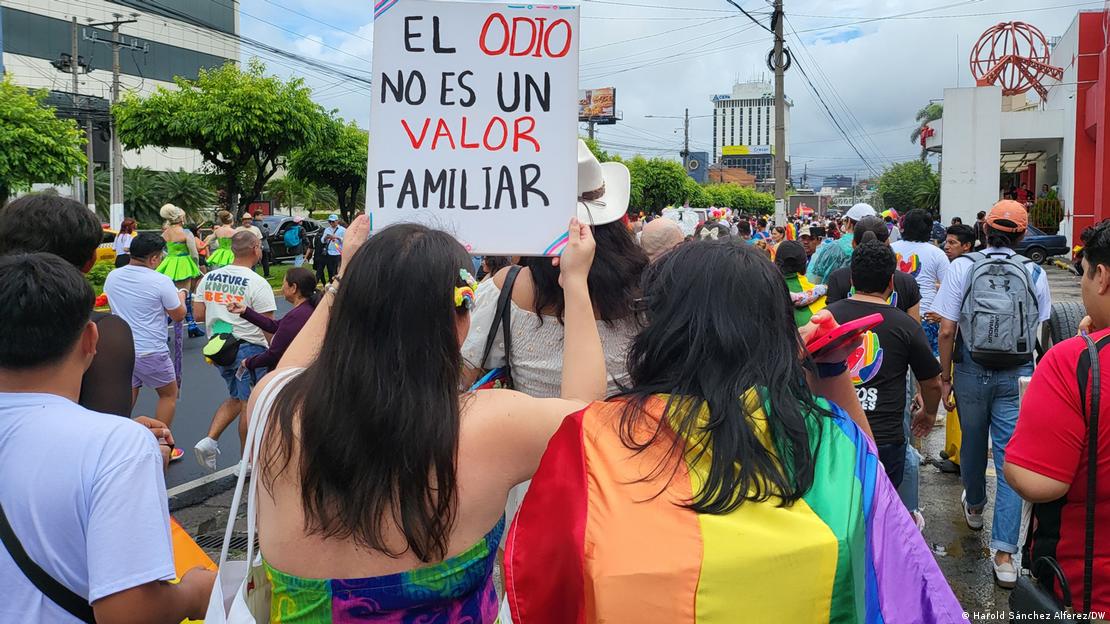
925,17
615,62
660,33
833,118
657,6
749,16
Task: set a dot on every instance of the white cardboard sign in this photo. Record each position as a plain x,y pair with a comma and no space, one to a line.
474,122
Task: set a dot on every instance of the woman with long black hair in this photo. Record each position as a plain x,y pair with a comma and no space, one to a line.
384,485
719,487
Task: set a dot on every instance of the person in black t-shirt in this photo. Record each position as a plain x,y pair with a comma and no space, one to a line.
906,295
879,366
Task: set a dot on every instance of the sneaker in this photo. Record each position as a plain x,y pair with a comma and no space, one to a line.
206,451
918,519
974,518
1005,574
176,454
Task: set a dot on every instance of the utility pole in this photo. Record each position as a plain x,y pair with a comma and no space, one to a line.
686,140
590,123
115,217
780,117
74,67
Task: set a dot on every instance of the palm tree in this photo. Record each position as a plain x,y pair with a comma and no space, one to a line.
930,113
190,192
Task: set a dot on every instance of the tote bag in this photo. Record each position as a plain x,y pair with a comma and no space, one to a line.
241,593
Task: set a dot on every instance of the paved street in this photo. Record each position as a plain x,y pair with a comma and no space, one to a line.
202,392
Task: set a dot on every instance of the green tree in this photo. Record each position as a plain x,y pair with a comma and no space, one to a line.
696,195
656,184
904,186
243,122
931,112
146,191
595,147
35,145
336,161
740,198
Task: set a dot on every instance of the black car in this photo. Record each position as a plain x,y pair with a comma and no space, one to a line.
1039,247
274,228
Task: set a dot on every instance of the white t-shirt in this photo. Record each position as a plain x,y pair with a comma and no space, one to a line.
88,505
141,296
236,283
950,297
926,263
122,243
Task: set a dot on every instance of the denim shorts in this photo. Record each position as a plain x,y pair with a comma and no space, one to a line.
241,388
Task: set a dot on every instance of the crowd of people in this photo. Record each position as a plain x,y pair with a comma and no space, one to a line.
634,431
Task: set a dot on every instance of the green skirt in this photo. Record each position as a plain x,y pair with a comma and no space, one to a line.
220,258
179,268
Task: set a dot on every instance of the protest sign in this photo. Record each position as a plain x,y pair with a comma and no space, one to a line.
473,125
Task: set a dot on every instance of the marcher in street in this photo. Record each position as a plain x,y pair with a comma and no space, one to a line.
332,238
660,236
1047,458
959,240
143,297
122,243
889,351
181,261
236,282
299,289
264,229
988,366
89,504
838,254
927,264
67,229
222,255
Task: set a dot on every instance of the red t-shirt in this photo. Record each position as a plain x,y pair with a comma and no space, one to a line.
1051,440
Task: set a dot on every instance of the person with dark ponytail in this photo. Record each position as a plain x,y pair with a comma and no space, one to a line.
719,486
379,475
906,295
299,289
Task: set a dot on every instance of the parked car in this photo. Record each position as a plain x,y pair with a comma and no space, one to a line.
105,252
274,228
1039,247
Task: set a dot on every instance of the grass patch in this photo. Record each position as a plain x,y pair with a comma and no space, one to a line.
277,273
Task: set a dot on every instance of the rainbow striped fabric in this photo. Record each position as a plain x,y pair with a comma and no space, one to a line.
797,283
602,538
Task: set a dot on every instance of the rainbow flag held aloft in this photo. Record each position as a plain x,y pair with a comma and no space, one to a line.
791,232
798,284
602,538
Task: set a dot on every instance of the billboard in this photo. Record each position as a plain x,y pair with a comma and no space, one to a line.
598,105
746,150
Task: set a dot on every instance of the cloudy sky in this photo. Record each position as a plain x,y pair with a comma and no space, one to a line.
874,63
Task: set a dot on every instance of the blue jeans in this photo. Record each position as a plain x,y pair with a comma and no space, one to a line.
989,403
241,388
911,473
298,260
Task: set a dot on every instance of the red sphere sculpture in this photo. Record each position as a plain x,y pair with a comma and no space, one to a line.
1014,56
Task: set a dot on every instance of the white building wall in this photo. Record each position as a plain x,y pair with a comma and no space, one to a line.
972,143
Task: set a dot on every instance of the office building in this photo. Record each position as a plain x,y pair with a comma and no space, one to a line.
744,129
169,38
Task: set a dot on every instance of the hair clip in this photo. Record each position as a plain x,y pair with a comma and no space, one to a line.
465,297
467,278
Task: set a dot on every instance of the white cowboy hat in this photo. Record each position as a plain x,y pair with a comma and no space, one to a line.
603,188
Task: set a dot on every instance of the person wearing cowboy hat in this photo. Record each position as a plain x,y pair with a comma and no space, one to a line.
535,325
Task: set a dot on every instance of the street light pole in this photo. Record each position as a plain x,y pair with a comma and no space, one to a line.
780,117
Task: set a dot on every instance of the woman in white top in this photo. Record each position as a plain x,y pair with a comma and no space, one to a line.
122,242
536,312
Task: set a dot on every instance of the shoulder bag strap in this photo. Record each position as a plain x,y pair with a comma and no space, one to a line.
504,305
59,594
1090,364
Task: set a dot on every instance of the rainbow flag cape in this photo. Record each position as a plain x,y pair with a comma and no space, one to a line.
601,538
797,283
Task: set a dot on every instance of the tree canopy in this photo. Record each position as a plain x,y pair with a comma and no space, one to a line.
909,185
242,121
35,145
337,160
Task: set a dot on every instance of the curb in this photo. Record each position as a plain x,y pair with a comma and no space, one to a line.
199,490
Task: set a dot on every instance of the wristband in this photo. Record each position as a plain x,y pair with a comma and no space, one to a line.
826,371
